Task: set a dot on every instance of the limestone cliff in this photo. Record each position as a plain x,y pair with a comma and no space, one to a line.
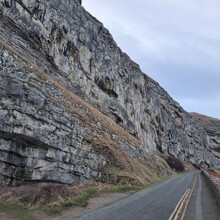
54,51
47,133
212,128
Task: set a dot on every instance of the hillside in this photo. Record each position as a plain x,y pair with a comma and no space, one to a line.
74,108
212,128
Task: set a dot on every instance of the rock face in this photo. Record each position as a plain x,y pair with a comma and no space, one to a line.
54,51
212,128
47,133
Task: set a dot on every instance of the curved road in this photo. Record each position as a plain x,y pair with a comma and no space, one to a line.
158,202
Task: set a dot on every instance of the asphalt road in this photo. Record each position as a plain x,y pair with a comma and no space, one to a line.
202,205
158,202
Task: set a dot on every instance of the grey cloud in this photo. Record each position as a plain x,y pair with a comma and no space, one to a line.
177,43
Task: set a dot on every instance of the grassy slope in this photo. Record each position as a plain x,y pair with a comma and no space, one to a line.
214,172
14,211
205,117
21,206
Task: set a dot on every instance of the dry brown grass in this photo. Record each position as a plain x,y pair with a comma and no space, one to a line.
45,193
58,195
122,168
216,153
214,172
37,194
188,166
197,115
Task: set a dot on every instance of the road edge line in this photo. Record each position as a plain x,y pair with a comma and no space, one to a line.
177,206
187,202
183,203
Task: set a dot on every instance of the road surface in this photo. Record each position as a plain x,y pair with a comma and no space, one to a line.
202,206
162,201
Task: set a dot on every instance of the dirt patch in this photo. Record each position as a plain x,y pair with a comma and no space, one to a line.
93,203
205,117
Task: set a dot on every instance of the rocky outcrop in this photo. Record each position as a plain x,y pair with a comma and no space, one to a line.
53,51
47,133
212,128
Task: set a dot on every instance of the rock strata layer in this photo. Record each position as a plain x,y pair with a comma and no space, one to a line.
47,133
54,51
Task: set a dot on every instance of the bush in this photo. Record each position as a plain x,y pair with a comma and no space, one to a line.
37,194
174,163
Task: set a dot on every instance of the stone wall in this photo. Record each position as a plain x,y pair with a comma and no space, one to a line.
214,185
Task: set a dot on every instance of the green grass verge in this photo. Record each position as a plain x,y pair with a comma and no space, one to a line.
82,198
79,200
123,188
15,211
21,212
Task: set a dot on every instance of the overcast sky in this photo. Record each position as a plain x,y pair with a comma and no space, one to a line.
177,43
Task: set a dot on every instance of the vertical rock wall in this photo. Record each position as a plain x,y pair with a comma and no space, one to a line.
212,128
68,44
49,134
